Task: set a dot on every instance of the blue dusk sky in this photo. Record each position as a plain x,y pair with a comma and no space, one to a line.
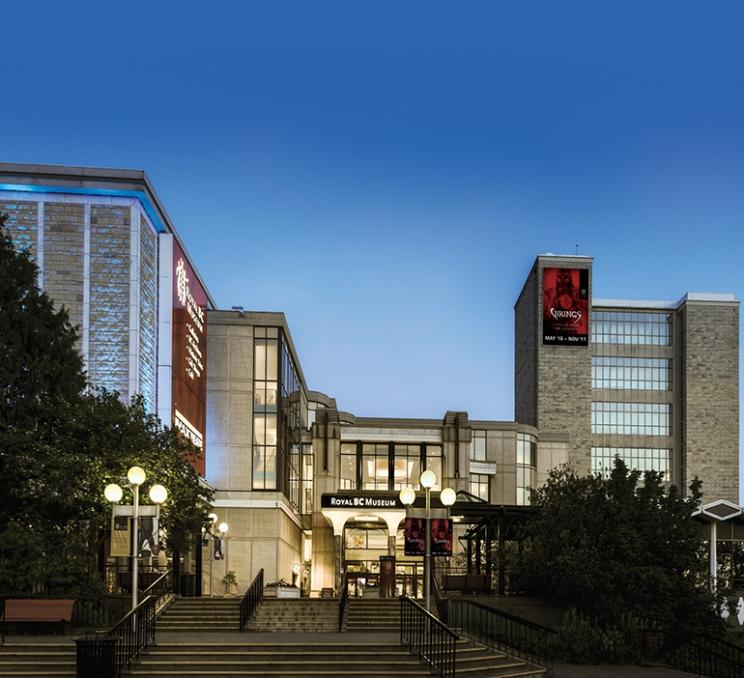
386,173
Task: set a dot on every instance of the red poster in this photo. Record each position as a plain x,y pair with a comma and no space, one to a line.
566,306
441,537
189,354
415,536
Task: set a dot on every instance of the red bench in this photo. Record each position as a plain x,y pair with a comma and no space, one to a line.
47,610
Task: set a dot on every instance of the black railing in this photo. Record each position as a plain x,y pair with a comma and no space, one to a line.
161,587
424,634
440,603
251,599
96,613
343,599
700,654
107,654
502,631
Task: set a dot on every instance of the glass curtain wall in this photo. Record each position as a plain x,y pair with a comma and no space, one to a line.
526,467
387,466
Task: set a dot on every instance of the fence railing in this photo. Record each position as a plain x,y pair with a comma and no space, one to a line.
108,653
440,602
502,631
251,599
343,599
424,634
699,654
161,587
102,612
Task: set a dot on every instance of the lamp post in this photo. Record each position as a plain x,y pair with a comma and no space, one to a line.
447,496
223,529
113,493
213,518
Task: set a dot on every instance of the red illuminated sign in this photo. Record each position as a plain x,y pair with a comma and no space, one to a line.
189,354
566,306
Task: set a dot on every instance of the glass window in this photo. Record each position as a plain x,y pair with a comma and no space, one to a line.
623,327
479,486
635,458
307,479
651,374
406,466
348,471
639,419
434,463
375,466
478,446
526,467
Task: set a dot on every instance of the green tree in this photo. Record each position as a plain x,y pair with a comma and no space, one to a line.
619,546
60,445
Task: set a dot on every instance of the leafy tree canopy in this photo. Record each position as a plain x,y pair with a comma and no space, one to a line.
61,445
619,545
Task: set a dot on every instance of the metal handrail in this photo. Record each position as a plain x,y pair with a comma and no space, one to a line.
691,654
439,602
149,590
251,599
106,654
343,599
423,633
502,631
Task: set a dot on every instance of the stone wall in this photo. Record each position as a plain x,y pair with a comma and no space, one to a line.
710,399
525,352
22,223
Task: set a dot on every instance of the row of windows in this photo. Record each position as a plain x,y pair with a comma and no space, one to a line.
635,458
479,486
611,327
387,466
651,374
637,419
526,471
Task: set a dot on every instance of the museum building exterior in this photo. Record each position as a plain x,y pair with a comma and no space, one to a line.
311,491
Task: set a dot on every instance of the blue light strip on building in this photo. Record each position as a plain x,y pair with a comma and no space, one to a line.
140,195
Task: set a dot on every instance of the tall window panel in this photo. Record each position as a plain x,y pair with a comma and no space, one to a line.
526,467
307,478
478,446
265,436
635,458
633,328
348,467
479,486
648,374
375,466
406,466
638,419
433,461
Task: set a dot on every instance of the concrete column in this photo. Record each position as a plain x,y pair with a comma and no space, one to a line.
338,546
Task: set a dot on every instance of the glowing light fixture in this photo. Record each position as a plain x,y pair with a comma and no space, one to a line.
448,496
212,517
136,475
113,493
407,496
428,479
223,528
158,494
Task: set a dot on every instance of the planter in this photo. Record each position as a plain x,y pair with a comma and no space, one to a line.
281,592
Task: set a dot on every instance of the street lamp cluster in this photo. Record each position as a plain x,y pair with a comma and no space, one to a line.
448,497
158,494
223,529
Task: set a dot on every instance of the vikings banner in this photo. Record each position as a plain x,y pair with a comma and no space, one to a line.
415,536
566,306
441,537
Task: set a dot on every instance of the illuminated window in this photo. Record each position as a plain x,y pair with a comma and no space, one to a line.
434,463
265,429
526,467
307,478
375,466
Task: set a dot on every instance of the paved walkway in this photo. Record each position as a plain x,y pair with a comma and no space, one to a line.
612,671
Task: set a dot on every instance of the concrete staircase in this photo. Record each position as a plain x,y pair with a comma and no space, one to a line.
37,659
295,614
373,614
301,659
200,614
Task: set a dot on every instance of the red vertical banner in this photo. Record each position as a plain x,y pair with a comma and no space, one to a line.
415,536
189,355
566,306
441,537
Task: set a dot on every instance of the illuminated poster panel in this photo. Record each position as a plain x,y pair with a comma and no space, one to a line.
415,536
189,354
566,306
441,537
